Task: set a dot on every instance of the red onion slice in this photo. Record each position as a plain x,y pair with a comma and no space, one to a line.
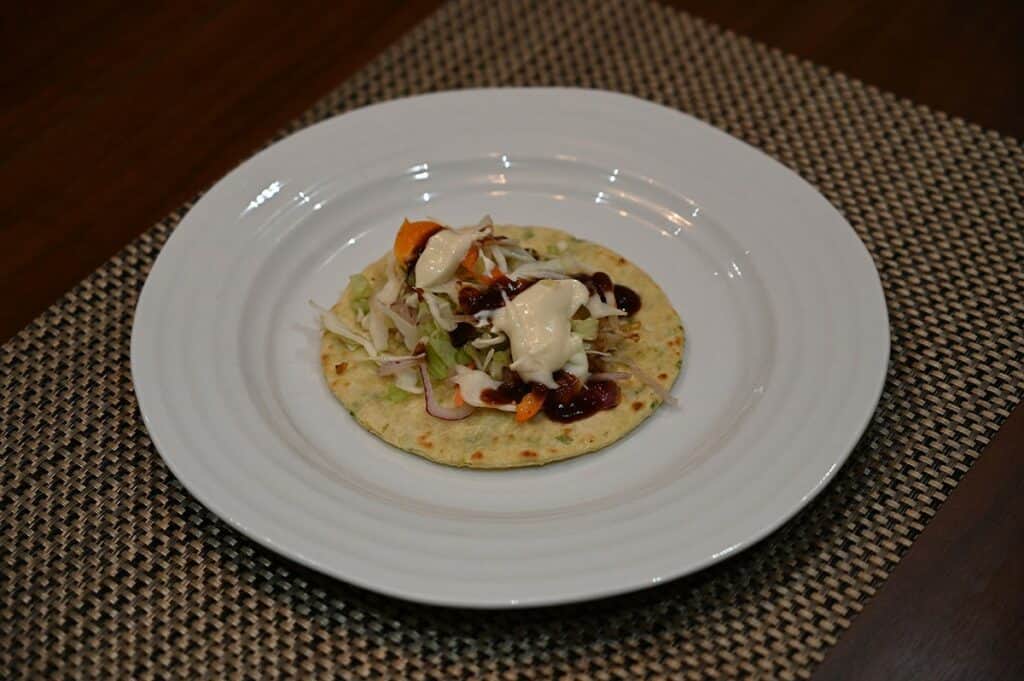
393,367
435,409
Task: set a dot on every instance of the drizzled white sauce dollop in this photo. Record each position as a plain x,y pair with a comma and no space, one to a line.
442,255
537,323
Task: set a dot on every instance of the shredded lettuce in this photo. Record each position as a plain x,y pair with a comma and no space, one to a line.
442,356
440,351
359,286
436,365
585,328
395,394
426,325
500,360
474,354
442,348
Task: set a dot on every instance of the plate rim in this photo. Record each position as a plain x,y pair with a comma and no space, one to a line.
137,349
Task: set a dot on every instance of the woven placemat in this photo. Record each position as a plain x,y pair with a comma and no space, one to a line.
109,569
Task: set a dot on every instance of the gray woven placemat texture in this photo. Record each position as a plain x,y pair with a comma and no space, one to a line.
109,569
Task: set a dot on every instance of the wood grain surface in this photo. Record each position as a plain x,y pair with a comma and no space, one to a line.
954,607
112,114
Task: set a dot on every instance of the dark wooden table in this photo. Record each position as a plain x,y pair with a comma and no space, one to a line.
112,114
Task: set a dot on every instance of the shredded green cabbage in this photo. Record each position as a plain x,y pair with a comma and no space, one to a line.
585,328
361,291
441,354
500,360
436,366
395,394
474,354
360,286
425,324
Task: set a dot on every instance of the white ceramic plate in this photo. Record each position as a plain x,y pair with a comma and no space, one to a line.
787,344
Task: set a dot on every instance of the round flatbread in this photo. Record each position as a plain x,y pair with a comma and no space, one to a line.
489,438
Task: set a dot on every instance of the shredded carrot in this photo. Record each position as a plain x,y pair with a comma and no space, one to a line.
469,264
495,275
471,256
412,237
529,406
458,397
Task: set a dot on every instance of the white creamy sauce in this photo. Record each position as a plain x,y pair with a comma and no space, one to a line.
537,323
442,255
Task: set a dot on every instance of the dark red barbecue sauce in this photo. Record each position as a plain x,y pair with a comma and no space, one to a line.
572,401
473,300
626,299
461,334
511,390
